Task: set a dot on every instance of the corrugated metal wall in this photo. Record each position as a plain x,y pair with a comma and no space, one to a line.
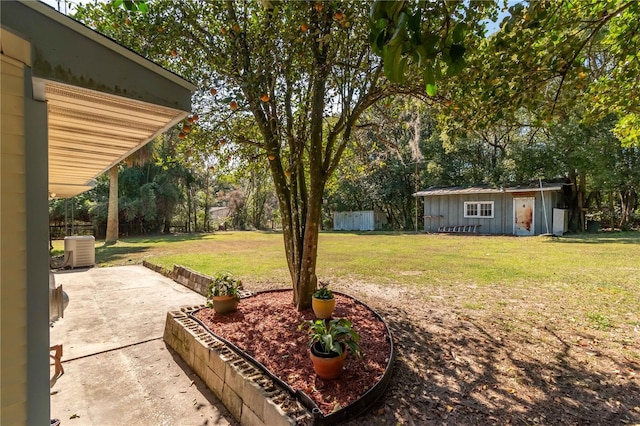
448,210
366,220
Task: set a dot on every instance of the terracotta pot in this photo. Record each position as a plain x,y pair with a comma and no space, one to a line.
225,304
323,308
327,366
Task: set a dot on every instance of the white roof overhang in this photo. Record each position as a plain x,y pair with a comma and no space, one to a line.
89,132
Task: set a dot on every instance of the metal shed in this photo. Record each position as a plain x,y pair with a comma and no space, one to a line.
515,210
366,220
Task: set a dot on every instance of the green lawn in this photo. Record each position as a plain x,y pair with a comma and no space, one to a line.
521,328
595,278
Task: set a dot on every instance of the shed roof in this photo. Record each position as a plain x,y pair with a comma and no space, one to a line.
104,101
458,190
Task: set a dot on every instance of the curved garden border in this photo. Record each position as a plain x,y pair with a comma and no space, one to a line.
251,393
354,409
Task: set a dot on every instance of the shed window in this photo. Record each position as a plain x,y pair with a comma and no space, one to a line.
478,209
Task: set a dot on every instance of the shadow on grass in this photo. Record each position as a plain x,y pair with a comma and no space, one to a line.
455,371
371,233
601,238
111,254
166,238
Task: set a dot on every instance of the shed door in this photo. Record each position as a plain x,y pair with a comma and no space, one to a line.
523,209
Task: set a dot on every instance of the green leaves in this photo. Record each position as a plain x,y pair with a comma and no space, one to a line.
132,5
430,80
627,130
456,52
458,32
394,63
377,34
331,334
389,37
402,37
224,284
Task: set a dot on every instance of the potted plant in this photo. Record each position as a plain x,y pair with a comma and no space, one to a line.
328,341
223,293
323,302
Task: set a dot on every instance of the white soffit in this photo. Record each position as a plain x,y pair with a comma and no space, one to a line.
91,131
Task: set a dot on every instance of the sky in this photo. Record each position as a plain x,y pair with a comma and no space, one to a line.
67,6
64,6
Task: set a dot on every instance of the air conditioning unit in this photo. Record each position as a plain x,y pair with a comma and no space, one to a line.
80,251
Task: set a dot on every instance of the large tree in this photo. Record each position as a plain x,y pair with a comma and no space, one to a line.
301,71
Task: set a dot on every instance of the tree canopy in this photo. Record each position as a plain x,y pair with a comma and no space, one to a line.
290,84
549,56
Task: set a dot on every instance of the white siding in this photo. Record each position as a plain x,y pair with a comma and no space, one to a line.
13,334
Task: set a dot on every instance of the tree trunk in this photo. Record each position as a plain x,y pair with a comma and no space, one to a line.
112,215
627,203
206,226
612,211
188,227
301,234
576,201
582,178
308,279
194,198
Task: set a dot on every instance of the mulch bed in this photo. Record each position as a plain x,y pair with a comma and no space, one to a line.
266,327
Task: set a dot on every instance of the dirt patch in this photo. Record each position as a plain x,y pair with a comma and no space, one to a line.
523,365
505,360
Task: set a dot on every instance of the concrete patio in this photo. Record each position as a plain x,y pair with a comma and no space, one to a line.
118,369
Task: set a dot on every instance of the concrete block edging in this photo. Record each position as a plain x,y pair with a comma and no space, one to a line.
182,275
251,397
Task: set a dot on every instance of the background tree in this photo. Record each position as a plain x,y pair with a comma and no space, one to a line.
302,72
255,182
66,214
140,156
385,163
549,54
172,179
147,196
599,167
552,72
